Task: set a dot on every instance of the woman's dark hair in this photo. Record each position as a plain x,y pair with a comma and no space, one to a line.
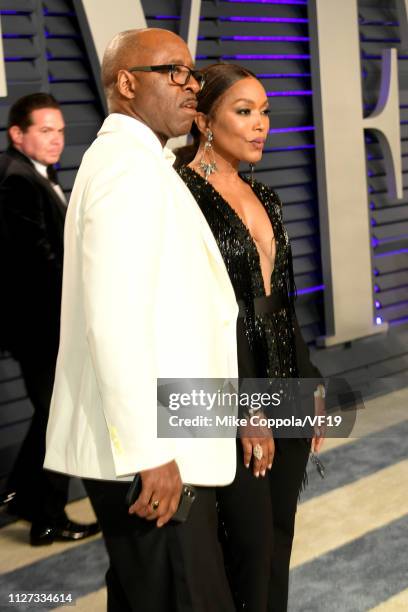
218,78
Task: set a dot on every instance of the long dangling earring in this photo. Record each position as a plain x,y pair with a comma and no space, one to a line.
207,161
252,167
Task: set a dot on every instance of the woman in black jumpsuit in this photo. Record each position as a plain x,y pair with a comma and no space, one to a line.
269,341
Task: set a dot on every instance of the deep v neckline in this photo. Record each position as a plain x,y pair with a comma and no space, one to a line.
243,227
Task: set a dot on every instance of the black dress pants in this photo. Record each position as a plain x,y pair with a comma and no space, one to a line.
285,479
177,568
245,512
41,495
258,519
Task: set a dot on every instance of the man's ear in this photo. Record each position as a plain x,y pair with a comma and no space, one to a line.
125,84
16,135
202,122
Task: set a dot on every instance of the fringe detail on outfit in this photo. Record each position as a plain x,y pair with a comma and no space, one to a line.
305,482
305,479
290,279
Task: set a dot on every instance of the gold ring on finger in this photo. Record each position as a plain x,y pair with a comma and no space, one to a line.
257,452
155,504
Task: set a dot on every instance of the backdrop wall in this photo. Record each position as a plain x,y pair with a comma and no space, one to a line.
47,48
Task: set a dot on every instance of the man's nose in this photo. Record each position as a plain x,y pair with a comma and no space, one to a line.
57,138
193,85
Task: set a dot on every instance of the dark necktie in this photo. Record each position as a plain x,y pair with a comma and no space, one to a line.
52,175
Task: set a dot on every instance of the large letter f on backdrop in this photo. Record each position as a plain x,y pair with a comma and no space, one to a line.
341,164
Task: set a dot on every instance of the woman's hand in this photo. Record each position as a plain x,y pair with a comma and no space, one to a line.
259,446
320,410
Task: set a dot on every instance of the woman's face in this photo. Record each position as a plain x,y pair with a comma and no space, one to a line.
240,122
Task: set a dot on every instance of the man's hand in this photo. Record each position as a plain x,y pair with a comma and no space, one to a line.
160,495
260,438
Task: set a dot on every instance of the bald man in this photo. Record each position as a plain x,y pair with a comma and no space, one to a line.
145,296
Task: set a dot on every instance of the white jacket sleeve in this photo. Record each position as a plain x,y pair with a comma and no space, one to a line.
122,226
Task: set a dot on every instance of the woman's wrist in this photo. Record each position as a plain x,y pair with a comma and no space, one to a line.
320,391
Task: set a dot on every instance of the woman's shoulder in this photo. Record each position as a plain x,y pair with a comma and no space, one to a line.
182,170
185,172
193,180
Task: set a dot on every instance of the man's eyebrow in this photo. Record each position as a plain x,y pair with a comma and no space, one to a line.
180,62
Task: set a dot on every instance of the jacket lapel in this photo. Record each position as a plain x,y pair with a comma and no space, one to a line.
29,167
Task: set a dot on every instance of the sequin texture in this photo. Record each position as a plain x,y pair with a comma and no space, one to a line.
270,336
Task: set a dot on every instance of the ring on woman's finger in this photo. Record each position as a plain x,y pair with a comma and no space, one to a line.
257,451
155,504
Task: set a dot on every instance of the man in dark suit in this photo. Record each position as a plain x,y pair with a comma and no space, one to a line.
32,212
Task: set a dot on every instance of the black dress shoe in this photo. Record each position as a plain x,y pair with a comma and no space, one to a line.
41,535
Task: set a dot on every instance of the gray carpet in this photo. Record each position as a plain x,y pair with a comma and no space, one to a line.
360,458
79,571
355,577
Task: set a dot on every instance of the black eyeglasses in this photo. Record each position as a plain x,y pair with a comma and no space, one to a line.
179,74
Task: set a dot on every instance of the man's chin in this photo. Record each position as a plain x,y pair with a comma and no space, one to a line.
183,127
50,161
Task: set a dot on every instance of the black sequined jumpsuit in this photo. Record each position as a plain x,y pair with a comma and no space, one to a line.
269,346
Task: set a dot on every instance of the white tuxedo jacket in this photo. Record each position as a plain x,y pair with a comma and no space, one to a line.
146,295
